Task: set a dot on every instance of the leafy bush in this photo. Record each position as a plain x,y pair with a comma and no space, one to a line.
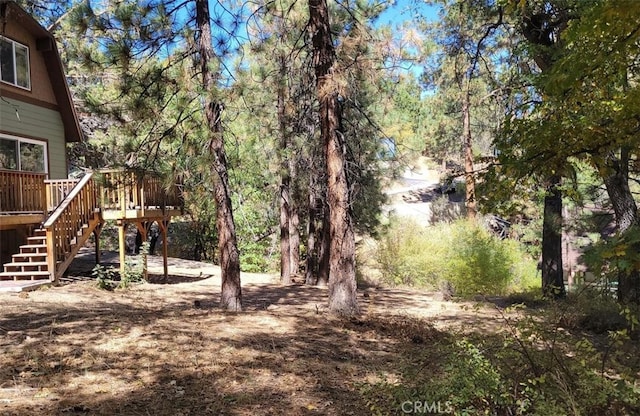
471,382
410,254
105,277
254,257
534,367
614,257
559,372
198,240
134,271
467,256
479,263
592,310
444,211
193,239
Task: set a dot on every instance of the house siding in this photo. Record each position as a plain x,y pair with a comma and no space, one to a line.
38,123
41,88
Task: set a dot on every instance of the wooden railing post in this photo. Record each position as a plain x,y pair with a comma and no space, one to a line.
143,201
48,197
122,196
43,200
51,253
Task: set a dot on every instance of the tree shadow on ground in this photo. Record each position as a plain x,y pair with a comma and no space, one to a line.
147,351
428,194
174,279
115,357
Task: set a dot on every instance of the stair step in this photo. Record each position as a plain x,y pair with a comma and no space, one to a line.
24,276
26,269
25,264
39,239
29,257
39,266
33,248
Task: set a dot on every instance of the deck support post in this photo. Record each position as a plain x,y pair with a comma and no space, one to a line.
164,226
51,254
122,246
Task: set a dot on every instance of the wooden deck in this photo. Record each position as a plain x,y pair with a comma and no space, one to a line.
136,196
22,198
70,210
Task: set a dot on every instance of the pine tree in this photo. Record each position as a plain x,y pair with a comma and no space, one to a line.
143,55
342,274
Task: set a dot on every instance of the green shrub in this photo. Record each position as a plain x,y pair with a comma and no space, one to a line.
563,372
590,309
478,262
254,257
533,367
410,254
472,383
105,277
444,211
467,256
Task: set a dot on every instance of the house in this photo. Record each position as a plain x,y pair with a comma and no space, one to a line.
44,217
37,119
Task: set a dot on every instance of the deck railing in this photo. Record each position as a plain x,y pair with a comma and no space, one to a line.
64,225
78,207
127,190
22,192
29,192
57,191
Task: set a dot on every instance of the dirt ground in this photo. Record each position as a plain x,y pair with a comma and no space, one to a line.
164,348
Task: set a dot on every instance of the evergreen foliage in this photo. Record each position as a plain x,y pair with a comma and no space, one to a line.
552,86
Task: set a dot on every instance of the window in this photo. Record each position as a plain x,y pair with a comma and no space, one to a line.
14,63
23,154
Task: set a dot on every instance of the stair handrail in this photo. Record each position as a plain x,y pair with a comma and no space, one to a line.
66,220
54,201
67,200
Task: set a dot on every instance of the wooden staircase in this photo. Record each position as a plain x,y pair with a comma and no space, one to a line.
31,262
53,247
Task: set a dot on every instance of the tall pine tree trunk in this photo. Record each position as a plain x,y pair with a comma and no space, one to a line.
294,221
342,256
231,296
616,179
315,211
324,264
311,266
285,180
470,198
552,278
294,236
285,241
535,28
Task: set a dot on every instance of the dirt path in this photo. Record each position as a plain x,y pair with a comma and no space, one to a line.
165,349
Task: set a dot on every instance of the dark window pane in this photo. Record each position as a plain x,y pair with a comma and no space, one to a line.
22,66
8,154
6,61
31,157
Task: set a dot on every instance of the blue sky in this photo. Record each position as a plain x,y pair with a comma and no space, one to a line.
404,10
